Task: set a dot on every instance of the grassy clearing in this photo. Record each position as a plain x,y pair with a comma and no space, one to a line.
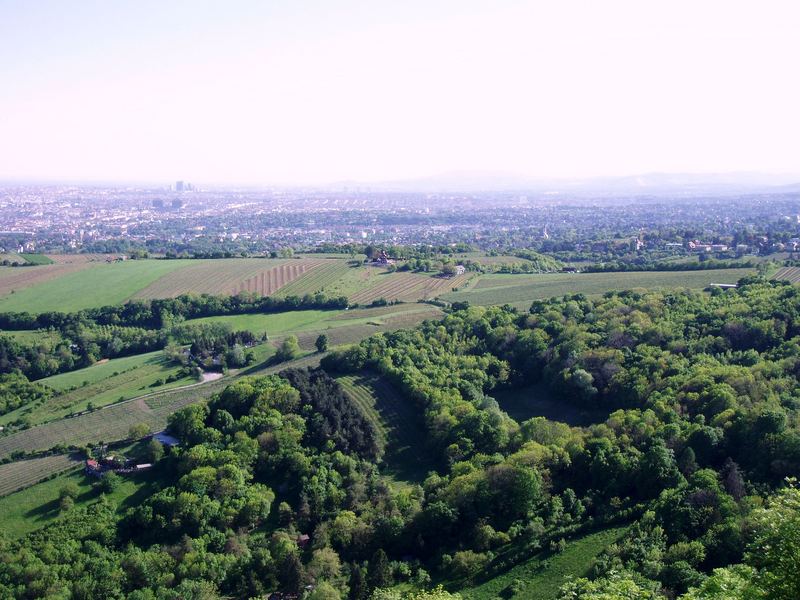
38,336
96,284
37,506
543,573
399,422
501,289
24,473
537,401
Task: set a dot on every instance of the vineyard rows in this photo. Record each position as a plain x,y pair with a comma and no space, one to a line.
790,274
317,280
23,473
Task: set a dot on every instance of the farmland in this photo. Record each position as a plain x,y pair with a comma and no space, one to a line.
408,287
100,385
23,473
790,274
229,277
325,273
92,284
521,289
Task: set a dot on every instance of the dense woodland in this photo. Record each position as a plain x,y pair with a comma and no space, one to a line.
277,484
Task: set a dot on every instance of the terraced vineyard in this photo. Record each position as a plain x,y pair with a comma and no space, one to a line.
398,421
23,473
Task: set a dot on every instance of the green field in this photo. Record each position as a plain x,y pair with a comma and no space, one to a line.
36,506
23,473
272,324
537,401
318,279
37,259
544,572
522,289
397,419
100,385
100,285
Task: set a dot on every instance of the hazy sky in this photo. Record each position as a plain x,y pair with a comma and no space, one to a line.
304,91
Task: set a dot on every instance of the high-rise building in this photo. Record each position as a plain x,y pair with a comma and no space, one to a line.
178,186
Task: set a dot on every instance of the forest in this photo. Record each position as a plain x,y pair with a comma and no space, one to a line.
278,484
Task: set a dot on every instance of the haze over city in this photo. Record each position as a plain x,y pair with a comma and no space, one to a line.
316,93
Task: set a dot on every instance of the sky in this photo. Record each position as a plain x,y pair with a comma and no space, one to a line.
313,92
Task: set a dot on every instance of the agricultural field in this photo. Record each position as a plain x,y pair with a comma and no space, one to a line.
790,274
228,277
543,573
24,473
397,419
320,279
520,290
37,259
15,280
84,285
408,287
99,385
113,422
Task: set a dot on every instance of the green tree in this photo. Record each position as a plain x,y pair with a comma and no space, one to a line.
321,343
379,574
290,349
138,431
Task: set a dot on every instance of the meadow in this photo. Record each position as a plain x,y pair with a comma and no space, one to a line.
37,506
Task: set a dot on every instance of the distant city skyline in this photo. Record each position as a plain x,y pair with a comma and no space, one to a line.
314,93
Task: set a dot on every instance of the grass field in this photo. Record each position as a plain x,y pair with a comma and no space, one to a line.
37,259
274,323
397,419
544,572
537,401
94,284
37,506
521,289
100,385
23,473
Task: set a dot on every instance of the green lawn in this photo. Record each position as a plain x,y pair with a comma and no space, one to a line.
543,573
100,285
36,506
521,289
